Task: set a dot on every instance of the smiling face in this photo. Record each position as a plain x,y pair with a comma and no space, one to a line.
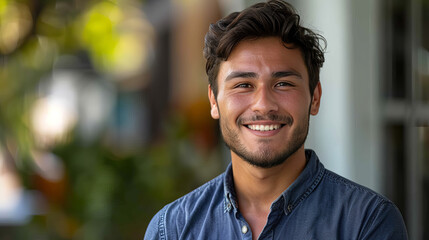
263,102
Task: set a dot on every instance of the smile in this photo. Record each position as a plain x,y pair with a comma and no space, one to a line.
264,128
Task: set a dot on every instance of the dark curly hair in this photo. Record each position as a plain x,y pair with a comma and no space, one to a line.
272,18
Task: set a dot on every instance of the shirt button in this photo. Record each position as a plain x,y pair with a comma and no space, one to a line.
244,229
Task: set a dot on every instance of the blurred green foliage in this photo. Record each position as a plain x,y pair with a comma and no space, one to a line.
113,197
105,193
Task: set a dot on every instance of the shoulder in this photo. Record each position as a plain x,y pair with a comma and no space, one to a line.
199,198
192,207
376,216
342,185
208,190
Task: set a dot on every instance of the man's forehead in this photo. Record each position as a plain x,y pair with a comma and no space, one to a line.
269,54
272,48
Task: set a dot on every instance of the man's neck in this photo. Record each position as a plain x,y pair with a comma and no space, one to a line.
257,188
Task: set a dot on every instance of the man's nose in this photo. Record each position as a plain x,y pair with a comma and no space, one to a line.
264,101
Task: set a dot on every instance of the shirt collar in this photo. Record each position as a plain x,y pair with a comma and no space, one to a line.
230,196
299,190
306,182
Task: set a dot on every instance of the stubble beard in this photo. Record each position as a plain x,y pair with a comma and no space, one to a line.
265,156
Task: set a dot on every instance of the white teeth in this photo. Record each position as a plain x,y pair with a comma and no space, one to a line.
264,127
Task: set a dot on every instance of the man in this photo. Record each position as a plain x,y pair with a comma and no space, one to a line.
263,70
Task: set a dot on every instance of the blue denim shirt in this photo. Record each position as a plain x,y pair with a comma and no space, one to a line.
318,205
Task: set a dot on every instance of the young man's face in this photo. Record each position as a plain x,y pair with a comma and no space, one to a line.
264,101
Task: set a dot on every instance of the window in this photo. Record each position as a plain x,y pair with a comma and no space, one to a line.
405,95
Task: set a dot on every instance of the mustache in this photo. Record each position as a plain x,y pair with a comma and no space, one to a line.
285,119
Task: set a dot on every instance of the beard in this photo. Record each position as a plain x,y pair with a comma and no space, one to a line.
266,156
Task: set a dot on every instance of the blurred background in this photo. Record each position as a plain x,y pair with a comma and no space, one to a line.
104,116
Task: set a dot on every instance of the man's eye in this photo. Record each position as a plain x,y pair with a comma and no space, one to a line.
283,84
243,85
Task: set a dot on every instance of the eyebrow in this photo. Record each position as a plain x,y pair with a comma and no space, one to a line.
279,74
233,75
286,74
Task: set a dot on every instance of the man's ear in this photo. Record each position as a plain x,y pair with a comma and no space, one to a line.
315,101
214,111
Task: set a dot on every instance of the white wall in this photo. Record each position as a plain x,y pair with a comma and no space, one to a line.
345,133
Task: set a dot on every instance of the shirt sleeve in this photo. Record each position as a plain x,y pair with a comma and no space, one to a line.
387,223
